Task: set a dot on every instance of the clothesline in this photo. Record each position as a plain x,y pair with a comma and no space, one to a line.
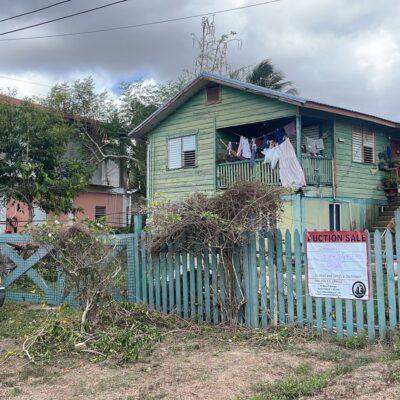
256,138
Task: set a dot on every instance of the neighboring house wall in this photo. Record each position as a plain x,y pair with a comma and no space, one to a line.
105,193
195,117
115,207
107,173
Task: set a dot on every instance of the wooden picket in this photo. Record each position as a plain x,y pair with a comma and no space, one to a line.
270,285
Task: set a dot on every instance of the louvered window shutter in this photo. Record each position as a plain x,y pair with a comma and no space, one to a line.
174,153
189,151
363,146
368,148
357,145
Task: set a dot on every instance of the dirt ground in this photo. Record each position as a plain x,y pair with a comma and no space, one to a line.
201,368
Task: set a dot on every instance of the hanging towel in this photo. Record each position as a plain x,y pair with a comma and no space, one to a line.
244,148
271,156
290,172
253,152
279,135
314,145
265,143
388,152
290,129
229,149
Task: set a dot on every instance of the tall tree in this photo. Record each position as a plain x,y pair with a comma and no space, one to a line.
213,51
38,167
266,75
94,115
138,100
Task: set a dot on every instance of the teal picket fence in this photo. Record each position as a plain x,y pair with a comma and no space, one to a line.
270,284
29,276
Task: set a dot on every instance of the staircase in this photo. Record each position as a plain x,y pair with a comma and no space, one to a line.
381,223
383,220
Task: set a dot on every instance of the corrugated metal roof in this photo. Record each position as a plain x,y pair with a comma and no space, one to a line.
171,105
253,88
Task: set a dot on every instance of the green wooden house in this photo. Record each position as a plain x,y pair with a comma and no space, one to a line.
187,139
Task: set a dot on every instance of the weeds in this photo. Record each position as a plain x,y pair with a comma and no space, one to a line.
332,355
292,388
17,319
354,342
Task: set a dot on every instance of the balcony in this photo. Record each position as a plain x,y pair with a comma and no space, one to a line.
317,171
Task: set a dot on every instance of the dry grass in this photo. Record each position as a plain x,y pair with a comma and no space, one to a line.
202,362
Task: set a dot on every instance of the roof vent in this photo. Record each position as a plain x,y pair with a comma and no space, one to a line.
213,94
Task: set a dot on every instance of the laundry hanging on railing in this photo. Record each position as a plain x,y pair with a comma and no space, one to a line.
271,156
244,148
253,152
314,145
290,172
229,149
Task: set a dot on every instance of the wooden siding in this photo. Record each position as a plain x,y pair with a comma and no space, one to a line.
356,179
194,116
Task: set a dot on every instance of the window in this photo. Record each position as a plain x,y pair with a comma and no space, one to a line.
334,217
100,212
363,146
182,152
213,94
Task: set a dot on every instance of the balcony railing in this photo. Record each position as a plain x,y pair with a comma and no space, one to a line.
317,171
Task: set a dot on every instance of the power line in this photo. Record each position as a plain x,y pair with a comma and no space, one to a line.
35,11
23,81
141,25
64,17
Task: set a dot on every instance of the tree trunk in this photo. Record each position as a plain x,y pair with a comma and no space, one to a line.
31,214
232,303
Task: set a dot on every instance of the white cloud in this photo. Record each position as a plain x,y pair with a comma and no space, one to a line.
336,51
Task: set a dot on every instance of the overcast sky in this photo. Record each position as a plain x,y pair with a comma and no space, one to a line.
342,52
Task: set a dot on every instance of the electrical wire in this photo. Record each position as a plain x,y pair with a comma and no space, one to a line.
35,11
64,17
23,81
141,25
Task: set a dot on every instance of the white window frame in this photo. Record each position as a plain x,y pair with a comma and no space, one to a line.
181,145
334,215
363,133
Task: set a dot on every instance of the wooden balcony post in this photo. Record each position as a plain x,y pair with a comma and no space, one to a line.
298,137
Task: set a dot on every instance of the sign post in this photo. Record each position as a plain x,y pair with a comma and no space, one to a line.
337,264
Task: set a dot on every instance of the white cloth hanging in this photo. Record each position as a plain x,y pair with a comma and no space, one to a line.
290,172
314,145
244,148
271,156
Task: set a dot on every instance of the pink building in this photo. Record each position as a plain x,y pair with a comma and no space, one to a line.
106,196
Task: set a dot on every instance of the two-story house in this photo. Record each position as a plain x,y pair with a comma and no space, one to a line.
192,143
106,196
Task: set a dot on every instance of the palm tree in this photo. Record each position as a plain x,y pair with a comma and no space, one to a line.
265,74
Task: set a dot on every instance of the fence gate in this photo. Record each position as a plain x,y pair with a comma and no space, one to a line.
28,276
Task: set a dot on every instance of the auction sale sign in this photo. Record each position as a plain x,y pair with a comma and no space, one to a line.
337,264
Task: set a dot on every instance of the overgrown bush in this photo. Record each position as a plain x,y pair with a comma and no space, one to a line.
85,257
223,222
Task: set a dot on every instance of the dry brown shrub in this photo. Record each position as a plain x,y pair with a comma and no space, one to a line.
221,221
